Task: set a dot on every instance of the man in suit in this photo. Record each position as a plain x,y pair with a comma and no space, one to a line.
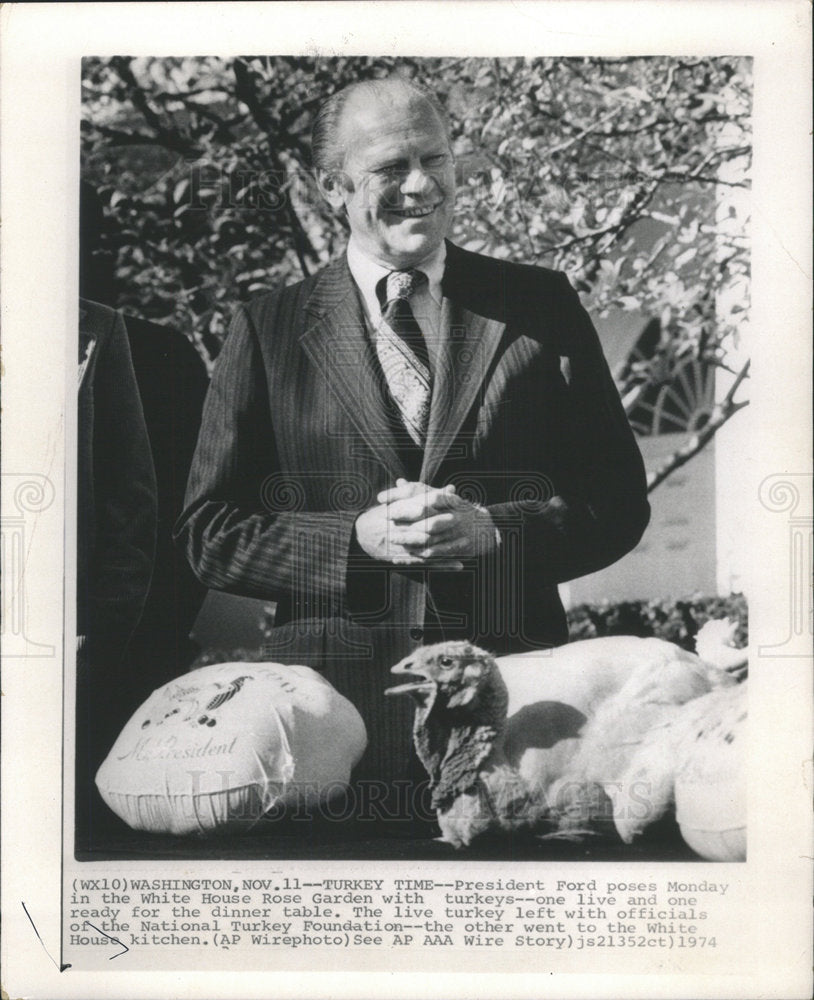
172,382
417,442
116,531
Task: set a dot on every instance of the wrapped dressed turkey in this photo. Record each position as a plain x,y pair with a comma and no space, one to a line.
217,748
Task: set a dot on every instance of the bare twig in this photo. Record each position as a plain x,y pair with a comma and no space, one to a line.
613,113
721,413
119,138
630,215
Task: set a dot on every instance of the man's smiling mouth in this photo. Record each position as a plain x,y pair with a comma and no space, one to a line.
414,213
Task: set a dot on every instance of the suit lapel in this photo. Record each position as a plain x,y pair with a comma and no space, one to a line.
336,342
471,342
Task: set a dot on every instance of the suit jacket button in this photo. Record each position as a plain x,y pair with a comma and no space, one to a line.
417,634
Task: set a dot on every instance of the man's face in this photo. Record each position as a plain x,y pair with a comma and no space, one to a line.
398,180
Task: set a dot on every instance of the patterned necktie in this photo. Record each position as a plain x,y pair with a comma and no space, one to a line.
402,352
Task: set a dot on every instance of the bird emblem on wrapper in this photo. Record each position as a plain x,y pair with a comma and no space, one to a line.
190,701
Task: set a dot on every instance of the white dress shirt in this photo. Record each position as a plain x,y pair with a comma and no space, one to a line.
425,303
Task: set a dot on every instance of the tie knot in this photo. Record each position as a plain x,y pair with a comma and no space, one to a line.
400,285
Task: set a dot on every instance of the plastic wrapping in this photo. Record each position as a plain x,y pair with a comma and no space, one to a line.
710,784
217,748
694,760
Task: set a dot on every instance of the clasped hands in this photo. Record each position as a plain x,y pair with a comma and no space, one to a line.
419,525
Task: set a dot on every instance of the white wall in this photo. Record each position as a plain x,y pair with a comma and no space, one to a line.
677,556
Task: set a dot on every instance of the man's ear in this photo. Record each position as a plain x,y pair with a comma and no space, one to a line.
334,186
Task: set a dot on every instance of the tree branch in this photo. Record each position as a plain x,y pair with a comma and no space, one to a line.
583,132
166,137
631,214
247,92
119,138
721,413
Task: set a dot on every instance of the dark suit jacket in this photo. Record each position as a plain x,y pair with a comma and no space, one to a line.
116,486
298,436
172,384
116,529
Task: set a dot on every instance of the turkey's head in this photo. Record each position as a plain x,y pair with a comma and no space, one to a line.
461,703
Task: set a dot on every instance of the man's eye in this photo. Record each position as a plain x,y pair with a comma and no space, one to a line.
435,161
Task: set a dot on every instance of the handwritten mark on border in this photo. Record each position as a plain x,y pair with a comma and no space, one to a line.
110,936
61,968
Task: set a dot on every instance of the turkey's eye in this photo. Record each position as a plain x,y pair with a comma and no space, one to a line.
446,661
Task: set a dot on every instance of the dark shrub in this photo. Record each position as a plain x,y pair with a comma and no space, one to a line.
677,621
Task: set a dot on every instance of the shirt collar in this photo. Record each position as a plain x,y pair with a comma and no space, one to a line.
367,273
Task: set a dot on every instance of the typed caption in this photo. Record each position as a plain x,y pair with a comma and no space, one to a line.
126,915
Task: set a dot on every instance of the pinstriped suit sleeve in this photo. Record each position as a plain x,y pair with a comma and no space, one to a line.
602,511
233,540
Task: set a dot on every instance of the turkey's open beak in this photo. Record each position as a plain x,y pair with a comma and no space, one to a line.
416,683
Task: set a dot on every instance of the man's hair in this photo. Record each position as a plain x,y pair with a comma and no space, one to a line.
327,152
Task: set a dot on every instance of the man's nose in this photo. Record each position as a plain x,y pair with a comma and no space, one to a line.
417,181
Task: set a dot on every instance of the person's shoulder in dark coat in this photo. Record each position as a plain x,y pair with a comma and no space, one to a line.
115,482
172,383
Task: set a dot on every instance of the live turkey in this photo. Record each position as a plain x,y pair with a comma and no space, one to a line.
538,742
